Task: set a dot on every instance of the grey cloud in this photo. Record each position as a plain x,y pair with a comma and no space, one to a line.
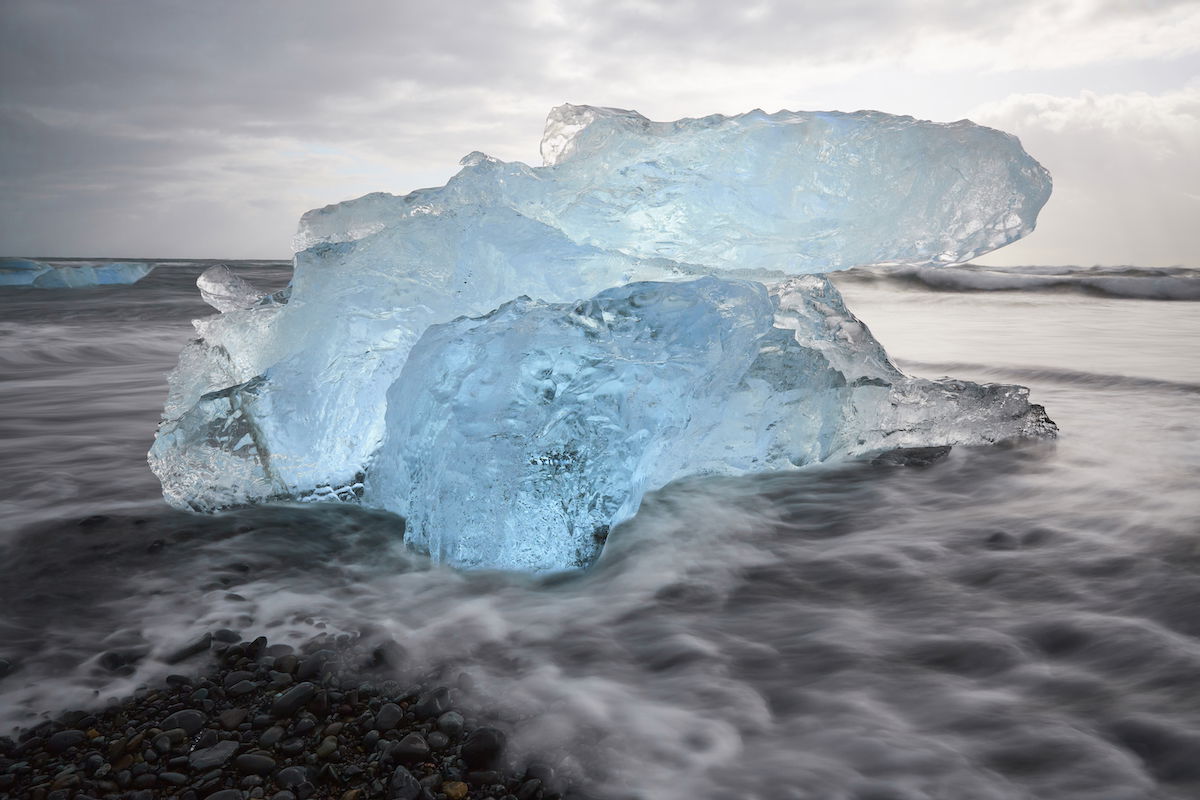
203,101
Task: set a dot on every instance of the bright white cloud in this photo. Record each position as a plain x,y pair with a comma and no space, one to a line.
1064,33
1125,167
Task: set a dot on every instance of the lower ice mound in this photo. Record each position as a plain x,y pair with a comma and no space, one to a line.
518,439
516,435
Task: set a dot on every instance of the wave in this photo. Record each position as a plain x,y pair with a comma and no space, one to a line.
1069,377
1140,283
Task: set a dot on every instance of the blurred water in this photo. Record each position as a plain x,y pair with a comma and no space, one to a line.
1017,622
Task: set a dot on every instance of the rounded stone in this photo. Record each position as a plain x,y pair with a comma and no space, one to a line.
189,719
255,764
411,748
482,747
451,723
294,699
290,777
327,747
388,717
403,786
65,740
432,704
209,757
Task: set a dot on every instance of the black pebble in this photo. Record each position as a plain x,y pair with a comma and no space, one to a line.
65,740
389,716
237,676
188,650
214,756
291,701
312,666
403,786
232,718
289,777
433,704
482,747
411,748
451,723
271,736
189,719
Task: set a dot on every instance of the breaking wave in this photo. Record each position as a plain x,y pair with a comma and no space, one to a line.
1140,283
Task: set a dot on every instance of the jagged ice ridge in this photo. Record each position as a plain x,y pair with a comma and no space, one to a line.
627,368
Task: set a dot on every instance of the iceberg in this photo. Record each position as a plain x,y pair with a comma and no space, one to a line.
71,275
304,396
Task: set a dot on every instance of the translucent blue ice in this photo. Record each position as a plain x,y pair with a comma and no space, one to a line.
796,192
42,275
290,397
518,439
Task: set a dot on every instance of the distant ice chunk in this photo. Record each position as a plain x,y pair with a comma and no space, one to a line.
70,275
518,439
292,400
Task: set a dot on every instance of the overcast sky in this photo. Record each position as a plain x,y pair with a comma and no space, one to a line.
204,129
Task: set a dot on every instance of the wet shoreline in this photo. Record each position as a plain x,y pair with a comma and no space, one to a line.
269,721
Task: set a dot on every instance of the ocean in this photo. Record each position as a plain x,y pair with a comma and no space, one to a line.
1019,621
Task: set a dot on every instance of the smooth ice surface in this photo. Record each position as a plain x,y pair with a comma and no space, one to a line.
289,399
518,439
42,275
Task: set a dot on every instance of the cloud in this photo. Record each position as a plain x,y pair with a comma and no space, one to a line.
174,118
1125,167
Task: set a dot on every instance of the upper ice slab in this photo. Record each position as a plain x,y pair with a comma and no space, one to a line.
793,192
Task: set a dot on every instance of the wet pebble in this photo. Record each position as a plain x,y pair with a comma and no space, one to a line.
190,649
482,747
291,701
189,719
255,764
214,756
412,747
389,717
233,717
451,723
403,786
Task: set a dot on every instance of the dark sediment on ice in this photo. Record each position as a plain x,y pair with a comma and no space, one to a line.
269,722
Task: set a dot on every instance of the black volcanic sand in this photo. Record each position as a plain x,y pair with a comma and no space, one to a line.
269,722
